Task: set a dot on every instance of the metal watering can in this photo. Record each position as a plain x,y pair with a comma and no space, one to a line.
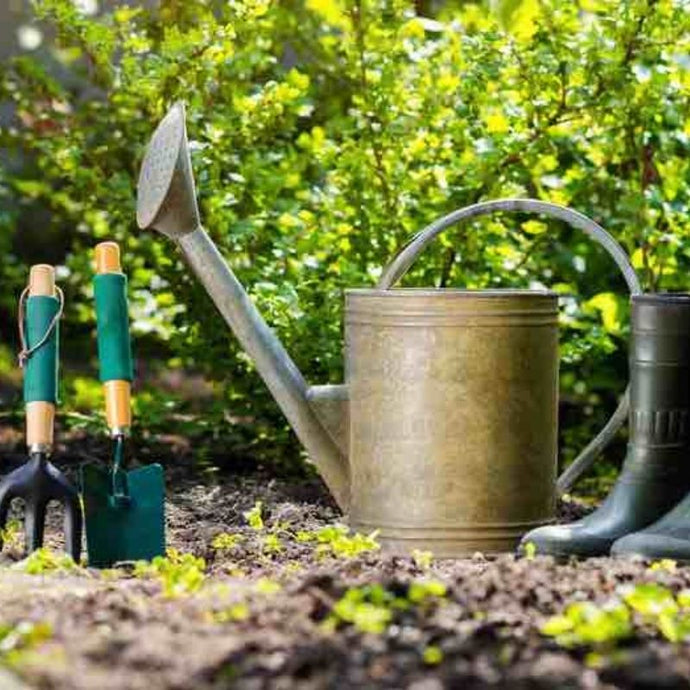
444,436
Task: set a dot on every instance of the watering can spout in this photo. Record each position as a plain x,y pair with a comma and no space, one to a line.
166,201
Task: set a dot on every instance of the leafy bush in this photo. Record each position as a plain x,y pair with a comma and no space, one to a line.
325,133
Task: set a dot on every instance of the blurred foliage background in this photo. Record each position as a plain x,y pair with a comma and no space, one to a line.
325,133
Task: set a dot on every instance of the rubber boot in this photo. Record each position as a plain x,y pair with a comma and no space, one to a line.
656,472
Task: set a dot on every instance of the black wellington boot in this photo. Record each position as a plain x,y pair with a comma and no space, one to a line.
656,472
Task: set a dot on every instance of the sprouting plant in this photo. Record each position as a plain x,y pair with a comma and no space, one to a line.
304,537
585,623
226,542
658,606
371,608
179,573
238,611
650,599
267,586
271,543
432,655
19,638
666,564
253,516
645,604
336,540
420,591
44,561
676,628
422,559
11,535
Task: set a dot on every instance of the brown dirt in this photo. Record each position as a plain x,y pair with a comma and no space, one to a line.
115,630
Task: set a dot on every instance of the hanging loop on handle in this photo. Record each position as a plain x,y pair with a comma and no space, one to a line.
26,351
397,268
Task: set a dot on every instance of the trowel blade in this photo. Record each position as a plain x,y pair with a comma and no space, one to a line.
130,532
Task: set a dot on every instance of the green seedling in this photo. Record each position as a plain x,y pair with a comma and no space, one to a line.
370,609
232,614
432,655
271,544
421,591
586,624
650,599
11,535
530,550
267,586
44,561
254,518
178,573
665,564
226,542
639,607
331,541
18,639
658,607
422,559
336,541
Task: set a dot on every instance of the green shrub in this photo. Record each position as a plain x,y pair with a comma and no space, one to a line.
325,133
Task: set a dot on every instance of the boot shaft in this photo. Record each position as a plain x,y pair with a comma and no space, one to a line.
660,371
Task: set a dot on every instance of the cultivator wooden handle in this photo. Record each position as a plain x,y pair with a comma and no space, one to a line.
114,346
41,368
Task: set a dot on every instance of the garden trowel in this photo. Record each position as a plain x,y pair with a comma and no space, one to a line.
124,510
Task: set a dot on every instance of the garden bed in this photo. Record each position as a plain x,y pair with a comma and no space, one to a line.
284,598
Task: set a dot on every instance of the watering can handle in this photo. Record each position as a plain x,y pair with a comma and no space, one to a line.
397,268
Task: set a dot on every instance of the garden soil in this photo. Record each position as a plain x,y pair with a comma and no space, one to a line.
263,615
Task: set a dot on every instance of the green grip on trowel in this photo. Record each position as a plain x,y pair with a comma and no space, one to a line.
41,367
112,319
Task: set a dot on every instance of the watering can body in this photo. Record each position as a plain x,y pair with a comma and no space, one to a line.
443,436
452,416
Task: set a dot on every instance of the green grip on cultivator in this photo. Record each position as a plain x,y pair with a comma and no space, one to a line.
114,345
41,368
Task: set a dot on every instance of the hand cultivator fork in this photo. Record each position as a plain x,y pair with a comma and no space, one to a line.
38,482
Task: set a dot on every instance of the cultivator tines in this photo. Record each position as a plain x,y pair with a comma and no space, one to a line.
38,482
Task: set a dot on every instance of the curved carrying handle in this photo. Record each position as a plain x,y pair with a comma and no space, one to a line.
404,259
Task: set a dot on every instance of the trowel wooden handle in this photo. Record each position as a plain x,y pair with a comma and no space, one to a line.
40,414
118,405
114,348
107,256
